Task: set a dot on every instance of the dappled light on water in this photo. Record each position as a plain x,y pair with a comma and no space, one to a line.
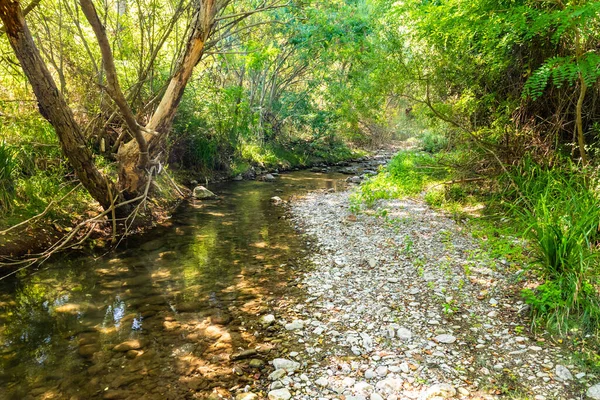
160,317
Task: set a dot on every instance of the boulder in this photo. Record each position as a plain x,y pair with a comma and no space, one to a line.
201,193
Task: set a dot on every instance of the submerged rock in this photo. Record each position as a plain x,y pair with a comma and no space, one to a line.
88,350
132,344
244,354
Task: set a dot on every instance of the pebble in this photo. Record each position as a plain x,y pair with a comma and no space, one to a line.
288,365
443,390
563,373
280,394
445,338
378,325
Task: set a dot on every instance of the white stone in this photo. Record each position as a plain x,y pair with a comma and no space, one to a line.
446,339
375,396
267,320
404,367
390,385
363,387
404,334
294,325
348,381
288,365
280,394
563,373
594,392
324,382
443,390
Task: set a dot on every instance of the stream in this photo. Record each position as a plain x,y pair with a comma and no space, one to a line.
160,317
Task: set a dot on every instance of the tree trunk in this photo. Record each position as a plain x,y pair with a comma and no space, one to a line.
52,104
131,178
579,121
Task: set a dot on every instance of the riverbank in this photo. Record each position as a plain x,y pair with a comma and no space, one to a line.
409,306
43,232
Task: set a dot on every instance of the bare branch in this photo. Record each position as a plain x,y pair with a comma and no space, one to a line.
113,88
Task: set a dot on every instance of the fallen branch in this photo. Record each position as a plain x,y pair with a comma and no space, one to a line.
466,180
66,241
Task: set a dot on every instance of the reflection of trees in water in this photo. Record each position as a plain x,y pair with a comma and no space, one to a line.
222,255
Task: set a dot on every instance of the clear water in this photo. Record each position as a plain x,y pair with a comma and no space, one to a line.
159,317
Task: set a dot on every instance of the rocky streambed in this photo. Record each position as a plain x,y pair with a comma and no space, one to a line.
406,307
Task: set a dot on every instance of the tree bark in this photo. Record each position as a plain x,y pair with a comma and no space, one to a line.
579,122
113,87
52,104
130,178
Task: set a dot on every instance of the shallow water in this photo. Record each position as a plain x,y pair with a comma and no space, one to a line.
160,317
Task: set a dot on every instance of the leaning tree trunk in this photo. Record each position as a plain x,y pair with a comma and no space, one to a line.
52,104
131,178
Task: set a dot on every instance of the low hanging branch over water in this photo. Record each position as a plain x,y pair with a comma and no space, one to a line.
86,228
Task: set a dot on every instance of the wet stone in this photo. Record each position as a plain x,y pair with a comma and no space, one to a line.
128,345
256,363
244,354
88,350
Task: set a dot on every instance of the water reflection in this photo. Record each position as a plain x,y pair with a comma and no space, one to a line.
159,317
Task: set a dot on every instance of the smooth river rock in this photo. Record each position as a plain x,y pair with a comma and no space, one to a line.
128,345
201,193
446,339
594,392
280,394
288,365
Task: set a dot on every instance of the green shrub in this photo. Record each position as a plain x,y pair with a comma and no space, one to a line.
407,174
433,142
560,209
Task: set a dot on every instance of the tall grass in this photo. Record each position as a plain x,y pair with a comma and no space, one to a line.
8,170
560,209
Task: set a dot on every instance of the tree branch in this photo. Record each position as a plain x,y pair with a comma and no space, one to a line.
113,87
